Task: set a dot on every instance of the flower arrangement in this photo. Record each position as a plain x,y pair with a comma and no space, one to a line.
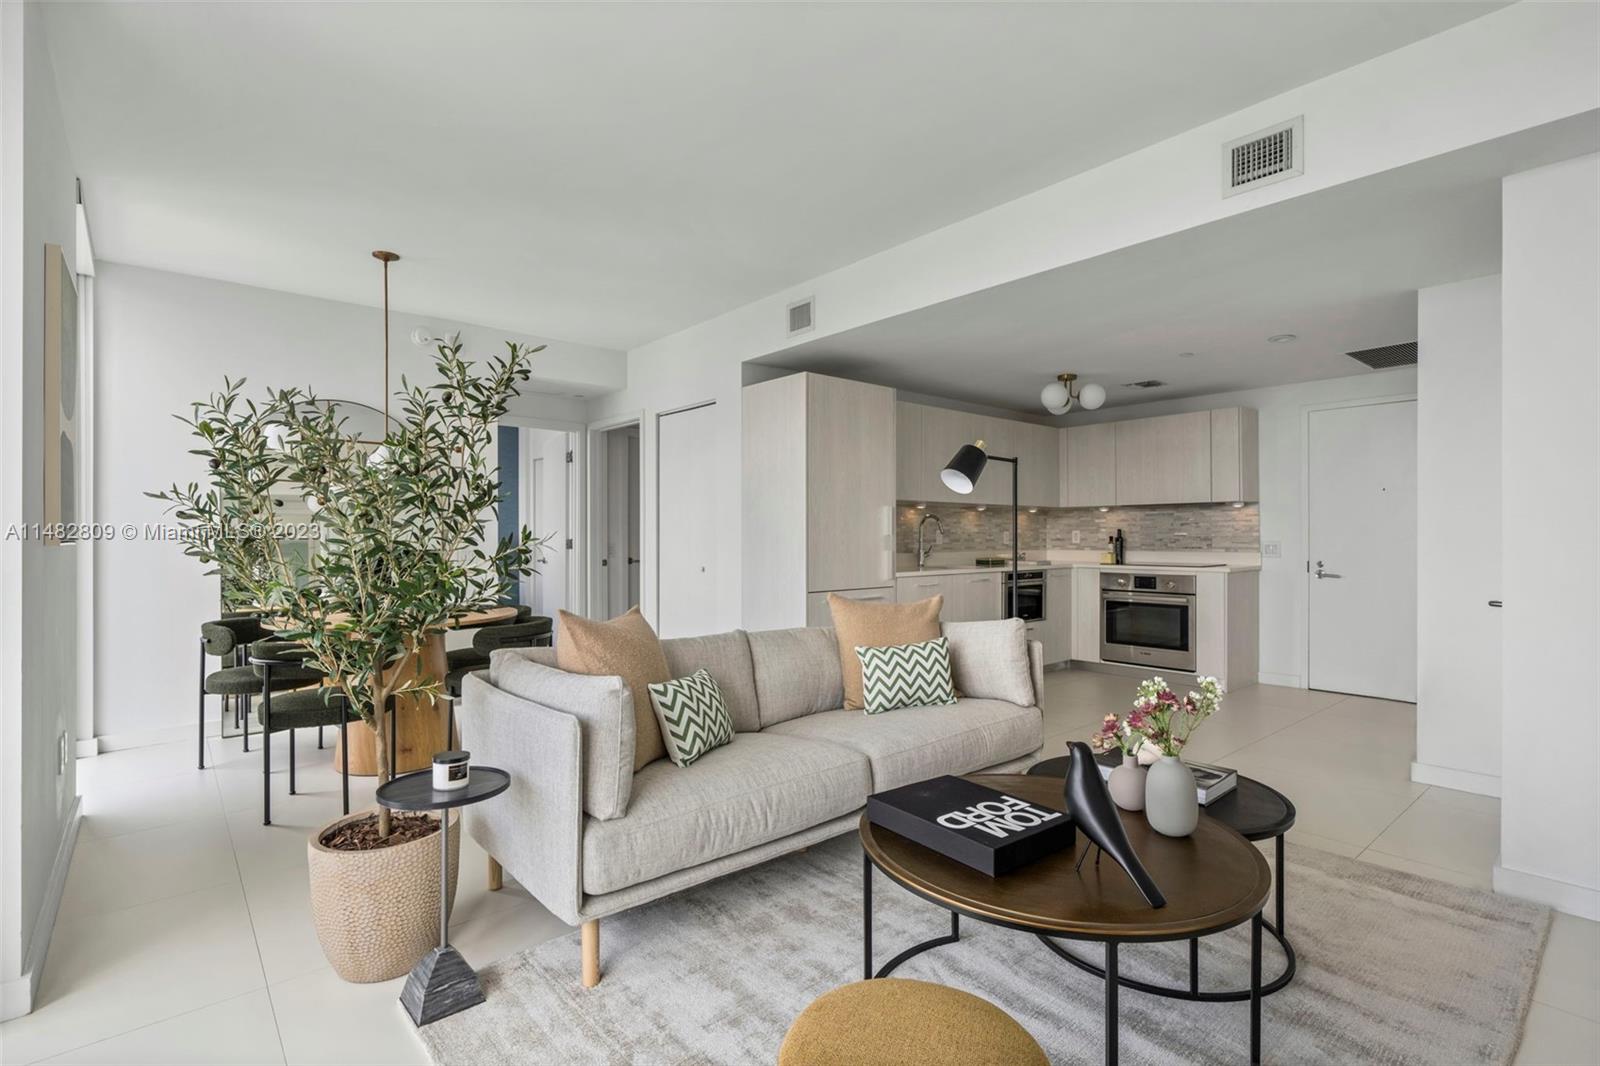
1114,733
1162,718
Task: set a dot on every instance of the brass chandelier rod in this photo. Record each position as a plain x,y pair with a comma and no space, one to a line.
385,258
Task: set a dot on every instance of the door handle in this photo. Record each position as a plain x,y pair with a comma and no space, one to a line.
1321,573
1496,603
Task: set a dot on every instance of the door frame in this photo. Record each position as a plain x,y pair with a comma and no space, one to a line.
1305,500
655,474
595,489
576,590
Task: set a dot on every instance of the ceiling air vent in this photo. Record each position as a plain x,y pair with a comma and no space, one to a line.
1388,356
802,315
1147,383
1264,157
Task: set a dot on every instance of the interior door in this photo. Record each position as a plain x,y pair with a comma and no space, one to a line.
686,544
1362,572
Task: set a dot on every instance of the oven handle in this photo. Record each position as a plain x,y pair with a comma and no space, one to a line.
1146,597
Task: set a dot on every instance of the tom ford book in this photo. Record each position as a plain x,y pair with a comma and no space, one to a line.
987,830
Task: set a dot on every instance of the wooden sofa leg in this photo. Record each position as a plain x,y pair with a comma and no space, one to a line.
591,953
496,875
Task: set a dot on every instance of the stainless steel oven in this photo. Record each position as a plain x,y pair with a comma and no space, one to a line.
1030,595
1148,620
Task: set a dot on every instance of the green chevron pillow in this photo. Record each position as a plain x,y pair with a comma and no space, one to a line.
906,675
692,716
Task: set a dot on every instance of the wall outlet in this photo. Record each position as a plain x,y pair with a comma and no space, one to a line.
61,753
1077,536
1005,538
1271,549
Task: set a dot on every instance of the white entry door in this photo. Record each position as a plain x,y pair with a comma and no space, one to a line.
686,548
1362,576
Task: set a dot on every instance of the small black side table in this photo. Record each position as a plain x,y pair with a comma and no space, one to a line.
442,983
1256,812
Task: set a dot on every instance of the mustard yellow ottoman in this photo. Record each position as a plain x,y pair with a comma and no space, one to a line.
891,1021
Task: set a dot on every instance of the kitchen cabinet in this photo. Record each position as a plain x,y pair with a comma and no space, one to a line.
1039,448
1089,465
967,597
1085,635
1164,460
914,477
1235,433
1228,627
819,489
927,438
1058,615
818,614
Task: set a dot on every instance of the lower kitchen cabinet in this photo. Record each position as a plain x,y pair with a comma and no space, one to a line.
817,613
1085,638
967,597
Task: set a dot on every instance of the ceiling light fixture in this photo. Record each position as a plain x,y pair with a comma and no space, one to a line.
1282,338
1058,396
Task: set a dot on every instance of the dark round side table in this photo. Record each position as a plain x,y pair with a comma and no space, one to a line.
442,983
1256,812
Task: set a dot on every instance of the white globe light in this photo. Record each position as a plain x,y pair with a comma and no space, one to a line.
1055,397
378,456
277,435
1091,397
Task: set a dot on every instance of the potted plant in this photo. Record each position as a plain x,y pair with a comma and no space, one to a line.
1165,721
399,552
1126,783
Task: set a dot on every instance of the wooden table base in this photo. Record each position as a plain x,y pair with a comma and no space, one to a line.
420,722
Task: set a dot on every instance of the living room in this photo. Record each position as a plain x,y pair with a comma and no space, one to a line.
1181,437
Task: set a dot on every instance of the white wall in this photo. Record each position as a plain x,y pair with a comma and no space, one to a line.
38,582
1458,536
1520,67
164,340
1550,392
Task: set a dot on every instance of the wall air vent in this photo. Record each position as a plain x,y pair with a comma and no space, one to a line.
802,315
1388,356
1147,383
1264,157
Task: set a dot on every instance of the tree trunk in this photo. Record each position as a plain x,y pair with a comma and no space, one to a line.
382,710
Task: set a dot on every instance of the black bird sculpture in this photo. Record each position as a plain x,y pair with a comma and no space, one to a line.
1090,807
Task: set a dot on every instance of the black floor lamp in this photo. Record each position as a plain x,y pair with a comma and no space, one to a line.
961,475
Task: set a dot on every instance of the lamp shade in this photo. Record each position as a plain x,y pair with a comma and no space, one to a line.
1092,397
961,473
1055,398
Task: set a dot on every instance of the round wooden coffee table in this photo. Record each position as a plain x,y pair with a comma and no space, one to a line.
1214,880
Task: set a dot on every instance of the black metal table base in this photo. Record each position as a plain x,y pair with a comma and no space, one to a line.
1109,972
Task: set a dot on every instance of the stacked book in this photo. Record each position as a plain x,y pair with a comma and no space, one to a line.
1211,782
980,827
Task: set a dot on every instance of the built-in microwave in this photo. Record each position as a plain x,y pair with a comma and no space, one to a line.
1030,595
1148,620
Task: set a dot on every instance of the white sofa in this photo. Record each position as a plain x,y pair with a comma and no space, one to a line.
588,836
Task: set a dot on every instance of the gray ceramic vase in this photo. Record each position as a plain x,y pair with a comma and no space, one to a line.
1170,803
1126,784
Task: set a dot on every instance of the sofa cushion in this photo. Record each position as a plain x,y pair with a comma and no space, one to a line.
692,715
542,656
906,675
859,624
797,673
989,660
757,789
628,647
726,657
604,711
922,742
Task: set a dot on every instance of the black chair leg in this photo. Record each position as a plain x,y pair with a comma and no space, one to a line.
319,738
247,723
266,754
202,762
344,760
291,762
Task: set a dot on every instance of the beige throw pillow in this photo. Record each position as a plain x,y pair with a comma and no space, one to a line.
627,647
859,624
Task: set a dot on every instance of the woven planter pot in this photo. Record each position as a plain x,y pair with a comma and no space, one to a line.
377,912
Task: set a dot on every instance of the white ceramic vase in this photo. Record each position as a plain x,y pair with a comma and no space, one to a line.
1126,784
1170,803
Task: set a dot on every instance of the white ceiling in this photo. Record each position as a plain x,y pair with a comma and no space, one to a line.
613,173
1339,269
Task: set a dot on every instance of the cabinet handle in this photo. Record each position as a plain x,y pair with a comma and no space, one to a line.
1496,603
927,584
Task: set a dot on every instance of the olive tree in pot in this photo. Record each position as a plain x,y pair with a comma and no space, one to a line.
400,550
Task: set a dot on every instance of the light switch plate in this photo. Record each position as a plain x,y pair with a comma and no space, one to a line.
1077,536
1271,549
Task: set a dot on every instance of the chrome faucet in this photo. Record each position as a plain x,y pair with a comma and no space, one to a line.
923,553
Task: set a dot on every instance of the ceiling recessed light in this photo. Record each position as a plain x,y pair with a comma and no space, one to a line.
1033,510
983,507
1282,338
1185,355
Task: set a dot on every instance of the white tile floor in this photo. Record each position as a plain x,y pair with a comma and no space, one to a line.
185,933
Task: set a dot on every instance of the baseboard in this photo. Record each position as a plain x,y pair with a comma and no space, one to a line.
144,738
1562,895
17,995
1284,680
1461,780
88,749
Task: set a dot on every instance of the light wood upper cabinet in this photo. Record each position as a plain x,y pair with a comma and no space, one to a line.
1039,448
1164,460
913,480
1235,473
850,473
1089,465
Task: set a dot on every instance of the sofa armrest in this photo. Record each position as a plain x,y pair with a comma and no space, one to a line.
535,828
1036,668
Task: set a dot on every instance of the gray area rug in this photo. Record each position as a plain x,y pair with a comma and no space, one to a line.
1393,968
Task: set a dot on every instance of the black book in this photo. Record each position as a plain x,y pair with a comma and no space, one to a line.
984,829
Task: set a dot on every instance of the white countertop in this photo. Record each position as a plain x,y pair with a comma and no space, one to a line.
1041,564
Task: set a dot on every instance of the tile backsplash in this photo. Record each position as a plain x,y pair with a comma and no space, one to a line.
1179,527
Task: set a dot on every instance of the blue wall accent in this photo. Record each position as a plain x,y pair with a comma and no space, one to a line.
510,486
